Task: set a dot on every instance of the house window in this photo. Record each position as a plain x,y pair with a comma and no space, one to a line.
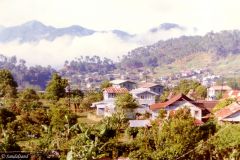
196,113
142,97
111,95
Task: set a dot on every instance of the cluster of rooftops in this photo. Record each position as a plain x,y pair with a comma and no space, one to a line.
145,94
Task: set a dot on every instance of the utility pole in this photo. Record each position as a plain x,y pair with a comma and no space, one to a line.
69,96
222,86
146,78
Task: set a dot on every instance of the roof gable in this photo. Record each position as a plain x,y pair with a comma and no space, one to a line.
173,100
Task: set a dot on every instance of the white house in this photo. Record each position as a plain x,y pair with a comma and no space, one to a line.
214,91
144,96
157,88
123,84
107,106
230,113
175,103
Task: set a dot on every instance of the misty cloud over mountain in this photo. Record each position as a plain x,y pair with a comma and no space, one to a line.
48,45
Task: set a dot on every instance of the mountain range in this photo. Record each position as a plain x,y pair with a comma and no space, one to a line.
42,44
34,31
168,47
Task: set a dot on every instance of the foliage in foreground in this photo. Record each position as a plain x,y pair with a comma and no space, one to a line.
55,127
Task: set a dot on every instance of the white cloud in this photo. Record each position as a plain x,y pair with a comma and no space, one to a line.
66,48
103,44
148,38
134,16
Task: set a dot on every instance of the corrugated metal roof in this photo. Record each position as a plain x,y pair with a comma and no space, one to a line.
227,111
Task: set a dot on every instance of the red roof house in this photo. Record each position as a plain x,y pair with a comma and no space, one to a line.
199,109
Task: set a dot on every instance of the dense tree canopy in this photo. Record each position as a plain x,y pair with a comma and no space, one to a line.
28,100
166,52
8,86
185,86
56,88
6,116
34,76
90,64
105,84
173,138
126,101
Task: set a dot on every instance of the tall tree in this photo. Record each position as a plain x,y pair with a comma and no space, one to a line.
105,84
56,87
126,101
185,86
6,116
125,104
8,86
28,100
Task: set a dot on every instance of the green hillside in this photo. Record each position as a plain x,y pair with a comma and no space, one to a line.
216,51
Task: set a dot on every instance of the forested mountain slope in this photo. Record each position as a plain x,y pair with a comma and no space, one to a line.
217,45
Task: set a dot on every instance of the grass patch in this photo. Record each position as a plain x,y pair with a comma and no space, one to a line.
83,117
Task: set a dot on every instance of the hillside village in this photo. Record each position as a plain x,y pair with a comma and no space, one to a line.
146,95
119,80
119,120
93,80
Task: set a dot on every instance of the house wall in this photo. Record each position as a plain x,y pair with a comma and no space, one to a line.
154,114
127,85
100,111
195,111
107,96
157,89
102,108
212,93
130,85
145,98
109,110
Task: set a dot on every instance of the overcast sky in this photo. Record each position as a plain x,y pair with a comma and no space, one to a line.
130,15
